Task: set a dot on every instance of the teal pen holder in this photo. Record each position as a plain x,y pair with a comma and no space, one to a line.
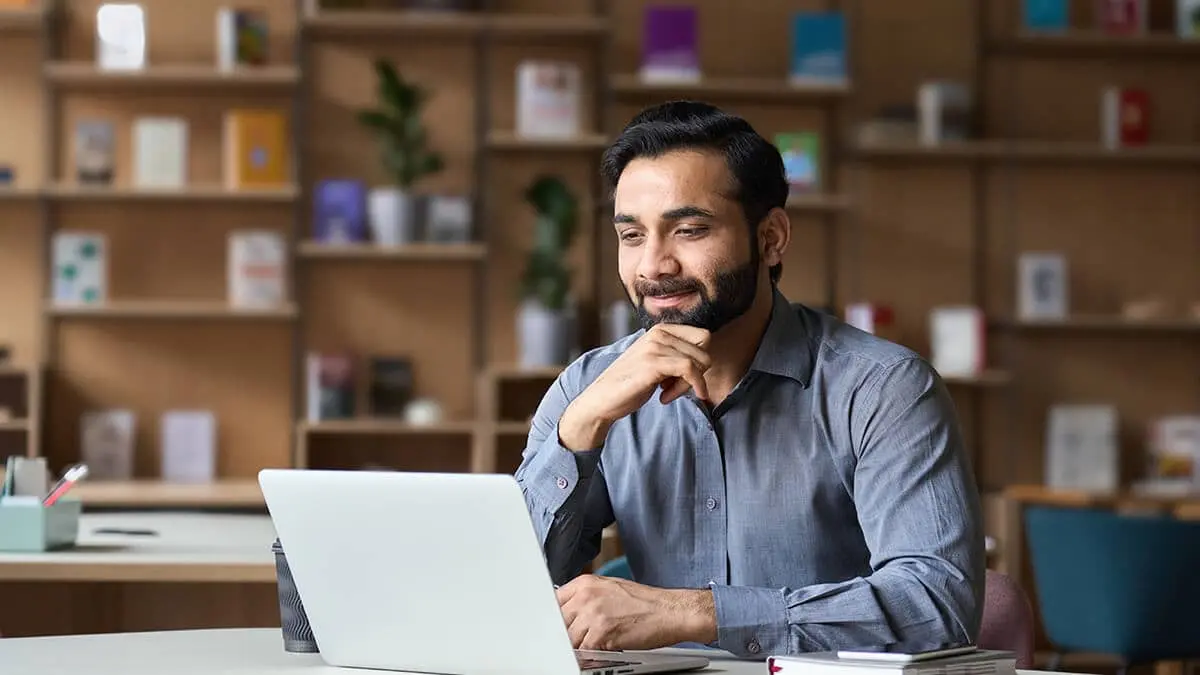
28,527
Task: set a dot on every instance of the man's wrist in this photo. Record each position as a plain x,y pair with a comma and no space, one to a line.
697,616
580,429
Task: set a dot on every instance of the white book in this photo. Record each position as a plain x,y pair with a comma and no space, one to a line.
957,341
80,275
1042,286
160,148
1082,448
549,99
121,36
977,662
188,443
257,274
108,440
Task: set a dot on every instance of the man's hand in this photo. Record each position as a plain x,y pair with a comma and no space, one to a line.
672,355
612,614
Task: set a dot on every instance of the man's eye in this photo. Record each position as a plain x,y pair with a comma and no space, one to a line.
629,236
691,231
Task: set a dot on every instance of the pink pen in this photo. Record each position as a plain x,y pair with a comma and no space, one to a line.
70,477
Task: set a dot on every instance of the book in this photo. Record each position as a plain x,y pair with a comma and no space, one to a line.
329,386
391,386
94,149
977,662
160,149
188,446
80,268
1043,287
1187,18
257,153
120,36
958,338
1121,17
340,211
549,99
448,219
670,52
819,48
107,442
1125,117
241,38
1050,16
1082,450
801,153
257,274
944,111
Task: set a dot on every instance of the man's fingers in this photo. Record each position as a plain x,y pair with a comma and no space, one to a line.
690,334
693,352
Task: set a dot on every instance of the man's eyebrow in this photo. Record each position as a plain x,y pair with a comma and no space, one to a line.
673,214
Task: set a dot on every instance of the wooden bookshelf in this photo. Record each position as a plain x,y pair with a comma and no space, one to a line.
818,203
1101,323
335,24
20,19
1091,44
725,89
168,310
509,141
157,77
387,427
417,252
65,192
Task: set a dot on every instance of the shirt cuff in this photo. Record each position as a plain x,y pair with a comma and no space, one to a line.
557,472
751,621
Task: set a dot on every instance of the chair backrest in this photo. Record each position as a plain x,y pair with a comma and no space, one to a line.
1008,619
617,567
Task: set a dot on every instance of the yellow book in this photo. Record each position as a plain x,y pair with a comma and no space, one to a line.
257,153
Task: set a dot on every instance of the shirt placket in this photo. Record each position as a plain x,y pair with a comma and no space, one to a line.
712,554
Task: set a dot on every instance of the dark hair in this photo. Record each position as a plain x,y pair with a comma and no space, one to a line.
755,164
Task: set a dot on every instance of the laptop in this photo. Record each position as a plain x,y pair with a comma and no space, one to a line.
430,573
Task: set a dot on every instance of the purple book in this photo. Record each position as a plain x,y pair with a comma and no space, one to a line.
339,215
670,51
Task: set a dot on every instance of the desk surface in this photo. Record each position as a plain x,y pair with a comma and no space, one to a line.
188,547
241,651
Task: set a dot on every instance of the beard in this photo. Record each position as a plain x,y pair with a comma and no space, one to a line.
734,293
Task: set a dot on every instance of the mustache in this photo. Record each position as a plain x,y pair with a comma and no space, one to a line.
672,286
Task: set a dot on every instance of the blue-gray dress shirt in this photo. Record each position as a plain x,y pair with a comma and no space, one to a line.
828,501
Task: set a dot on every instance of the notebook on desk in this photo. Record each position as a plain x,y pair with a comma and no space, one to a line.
433,573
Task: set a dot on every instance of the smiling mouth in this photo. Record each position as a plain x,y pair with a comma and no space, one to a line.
669,300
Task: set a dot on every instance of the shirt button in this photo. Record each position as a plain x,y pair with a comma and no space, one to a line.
753,647
711,503
561,483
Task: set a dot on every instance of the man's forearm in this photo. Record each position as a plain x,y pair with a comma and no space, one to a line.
581,428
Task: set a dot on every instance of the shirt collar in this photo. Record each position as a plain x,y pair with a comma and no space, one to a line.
785,349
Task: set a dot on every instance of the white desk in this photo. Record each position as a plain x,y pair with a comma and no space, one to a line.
201,570
187,547
255,651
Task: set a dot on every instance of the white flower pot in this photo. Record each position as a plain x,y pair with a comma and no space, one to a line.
392,215
543,335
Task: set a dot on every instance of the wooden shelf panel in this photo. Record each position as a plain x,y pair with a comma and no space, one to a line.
988,378
169,310
432,25
517,372
1102,322
818,203
729,88
386,427
21,19
416,252
510,141
88,75
150,493
14,425
18,194
1028,151
1095,44
191,193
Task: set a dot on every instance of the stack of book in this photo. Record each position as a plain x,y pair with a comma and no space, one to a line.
955,661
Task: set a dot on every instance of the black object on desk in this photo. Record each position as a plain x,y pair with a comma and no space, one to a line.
136,532
297,634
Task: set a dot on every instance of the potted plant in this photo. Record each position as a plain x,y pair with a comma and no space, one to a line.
545,320
396,121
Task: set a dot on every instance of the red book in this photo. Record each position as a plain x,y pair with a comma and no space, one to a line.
1121,17
1126,114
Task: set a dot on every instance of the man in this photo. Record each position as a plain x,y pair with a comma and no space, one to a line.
782,482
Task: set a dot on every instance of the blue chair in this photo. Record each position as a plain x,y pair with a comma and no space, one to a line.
617,567
1123,585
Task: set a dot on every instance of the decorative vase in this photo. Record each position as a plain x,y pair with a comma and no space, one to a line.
392,215
544,336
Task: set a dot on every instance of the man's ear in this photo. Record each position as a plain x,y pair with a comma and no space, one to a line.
774,235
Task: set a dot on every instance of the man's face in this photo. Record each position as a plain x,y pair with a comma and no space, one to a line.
685,253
